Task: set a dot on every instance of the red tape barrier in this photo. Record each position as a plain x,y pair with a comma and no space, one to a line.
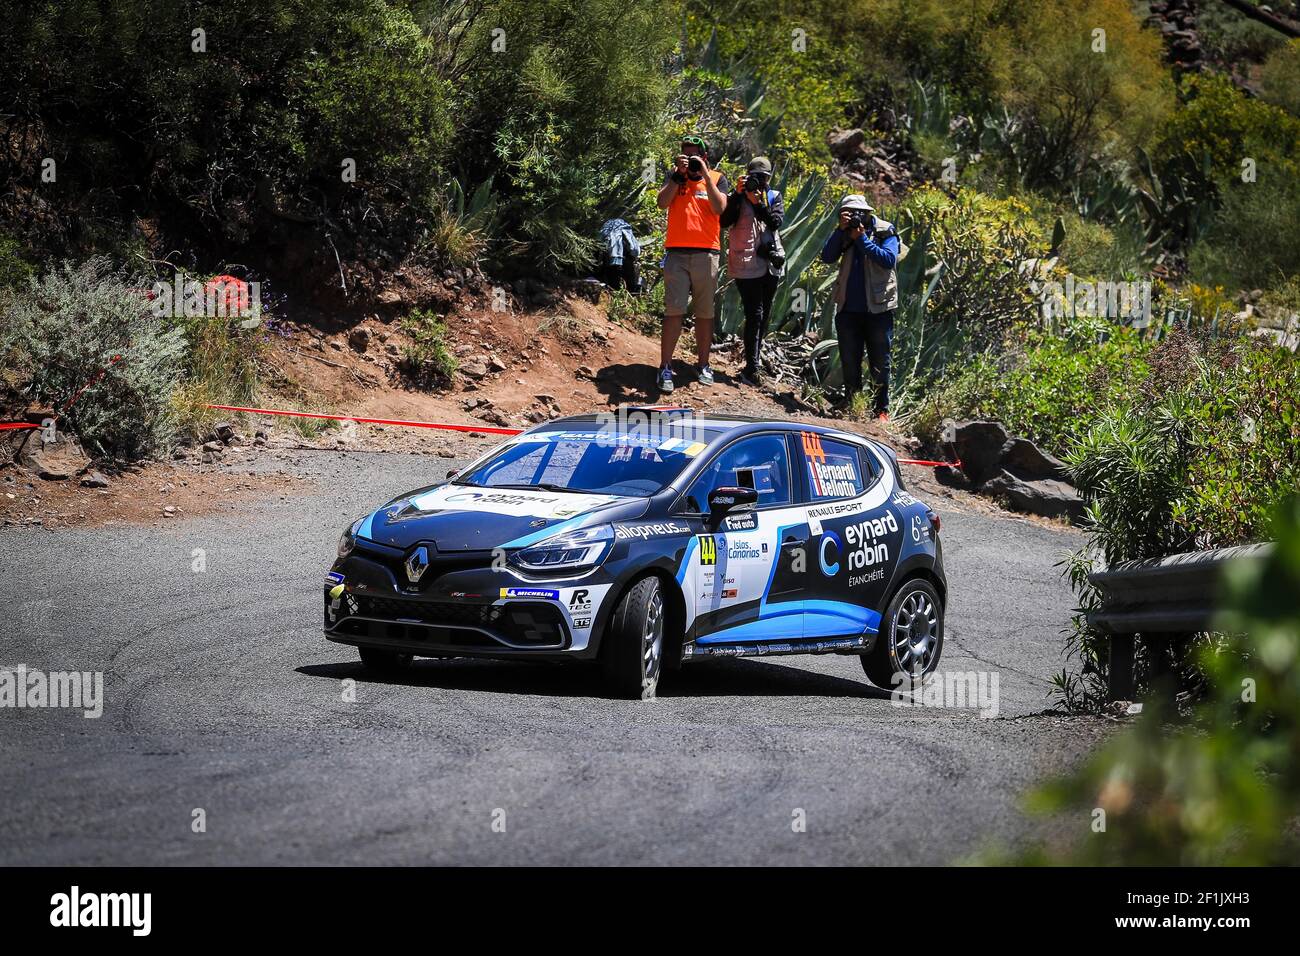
456,428
488,429
10,426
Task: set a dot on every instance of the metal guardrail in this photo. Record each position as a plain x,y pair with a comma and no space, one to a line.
1159,598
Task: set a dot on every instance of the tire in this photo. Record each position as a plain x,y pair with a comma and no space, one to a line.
385,662
632,649
914,619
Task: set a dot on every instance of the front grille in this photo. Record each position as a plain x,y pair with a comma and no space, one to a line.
520,623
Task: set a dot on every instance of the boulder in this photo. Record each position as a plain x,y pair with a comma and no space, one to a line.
94,480
1027,461
55,460
846,143
1046,497
979,448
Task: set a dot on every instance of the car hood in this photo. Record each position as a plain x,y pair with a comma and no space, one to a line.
461,518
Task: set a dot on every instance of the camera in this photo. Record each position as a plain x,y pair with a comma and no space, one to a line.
695,165
755,182
859,218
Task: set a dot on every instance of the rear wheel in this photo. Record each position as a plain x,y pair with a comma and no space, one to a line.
632,650
910,639
384,661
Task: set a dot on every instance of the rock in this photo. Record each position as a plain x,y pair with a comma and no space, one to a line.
544,398
359,338
36,414
979,448
1046,497
584,371
94,480
1027,461
470,404
495,364
446,453
474,370
52,460
845,143
950,475
390,297
213,446
224,432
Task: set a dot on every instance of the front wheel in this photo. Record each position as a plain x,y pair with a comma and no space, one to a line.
910,639
632,650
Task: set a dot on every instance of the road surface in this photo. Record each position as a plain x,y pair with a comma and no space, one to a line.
225,706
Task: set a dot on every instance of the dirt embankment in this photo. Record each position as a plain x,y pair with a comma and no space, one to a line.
515,368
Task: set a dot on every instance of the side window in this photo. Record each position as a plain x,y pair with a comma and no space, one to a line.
834,467
760,463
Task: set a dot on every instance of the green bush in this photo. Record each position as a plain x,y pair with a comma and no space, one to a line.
66,330
1196,458
1254,239
233,141
1047,388
1279,79
427,360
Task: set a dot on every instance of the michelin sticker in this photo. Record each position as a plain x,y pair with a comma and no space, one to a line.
544,593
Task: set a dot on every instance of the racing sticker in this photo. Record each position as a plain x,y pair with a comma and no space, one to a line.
658,529
517,502
831,476
543,593
708,550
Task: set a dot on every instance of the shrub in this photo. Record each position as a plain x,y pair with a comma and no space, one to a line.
1049,388
1221,122
65,331
1197,458
1254,239
1226,788
1279,79
427,362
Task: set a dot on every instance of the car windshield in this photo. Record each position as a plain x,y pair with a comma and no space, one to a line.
627,464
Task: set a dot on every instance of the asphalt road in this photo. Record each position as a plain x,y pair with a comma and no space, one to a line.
221,695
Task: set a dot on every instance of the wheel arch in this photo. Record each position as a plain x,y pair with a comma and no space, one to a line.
674,605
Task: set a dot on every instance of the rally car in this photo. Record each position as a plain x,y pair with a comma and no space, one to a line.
647,539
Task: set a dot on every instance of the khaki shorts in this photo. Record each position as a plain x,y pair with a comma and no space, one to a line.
692,275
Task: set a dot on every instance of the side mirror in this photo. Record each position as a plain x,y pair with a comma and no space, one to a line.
452,473
723,501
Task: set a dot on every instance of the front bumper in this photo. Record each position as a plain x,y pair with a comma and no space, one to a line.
462,607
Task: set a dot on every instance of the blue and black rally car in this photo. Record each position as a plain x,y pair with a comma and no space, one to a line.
648,539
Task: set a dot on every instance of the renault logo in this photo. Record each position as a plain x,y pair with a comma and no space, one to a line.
417,562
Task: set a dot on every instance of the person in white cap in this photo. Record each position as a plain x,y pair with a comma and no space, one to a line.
866,295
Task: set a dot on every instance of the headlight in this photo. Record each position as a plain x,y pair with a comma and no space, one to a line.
349,538
570,551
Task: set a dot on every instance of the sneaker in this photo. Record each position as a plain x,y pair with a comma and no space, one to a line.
706,375
665,380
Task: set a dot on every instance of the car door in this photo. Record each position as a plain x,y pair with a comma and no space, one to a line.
747,576
854,535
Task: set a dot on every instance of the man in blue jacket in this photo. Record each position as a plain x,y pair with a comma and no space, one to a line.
866,295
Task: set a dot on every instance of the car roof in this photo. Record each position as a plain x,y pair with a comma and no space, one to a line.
670,417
